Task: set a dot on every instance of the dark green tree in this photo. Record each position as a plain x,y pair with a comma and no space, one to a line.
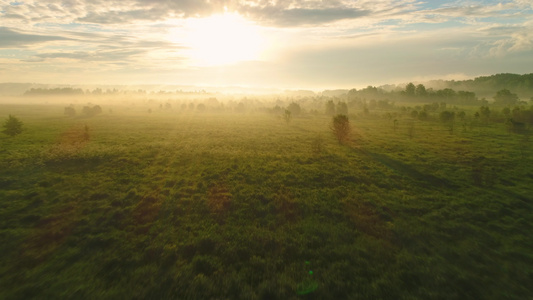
341,128
410,89
447,117
420,90
13,126
505,97
506,111
423,115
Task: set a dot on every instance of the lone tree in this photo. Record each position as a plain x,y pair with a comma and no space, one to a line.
13,126
341,128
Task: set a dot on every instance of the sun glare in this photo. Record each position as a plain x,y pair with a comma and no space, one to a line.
222,40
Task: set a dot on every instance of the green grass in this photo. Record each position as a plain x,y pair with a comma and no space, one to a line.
175,205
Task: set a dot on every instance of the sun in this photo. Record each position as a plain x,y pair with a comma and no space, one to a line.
222,39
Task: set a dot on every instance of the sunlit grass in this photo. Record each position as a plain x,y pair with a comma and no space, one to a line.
187,204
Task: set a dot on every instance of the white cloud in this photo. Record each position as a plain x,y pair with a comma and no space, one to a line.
311,40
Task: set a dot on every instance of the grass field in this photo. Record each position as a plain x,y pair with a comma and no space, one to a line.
177,204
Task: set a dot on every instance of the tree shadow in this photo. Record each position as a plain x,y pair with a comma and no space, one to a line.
410,171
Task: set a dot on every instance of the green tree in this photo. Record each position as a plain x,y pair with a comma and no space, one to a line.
505,97
506,111
447,117
423,115
420,90
13,126
410,89
341,128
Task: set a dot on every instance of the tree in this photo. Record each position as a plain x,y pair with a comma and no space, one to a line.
287,116
506,111
294,108
341,128
70,111
447,117
13,126
342,108
505,97
420,90
410,89
423,115
330,108
91,111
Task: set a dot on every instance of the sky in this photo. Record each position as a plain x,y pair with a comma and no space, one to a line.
289,44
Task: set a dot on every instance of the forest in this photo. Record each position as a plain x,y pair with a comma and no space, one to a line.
415,192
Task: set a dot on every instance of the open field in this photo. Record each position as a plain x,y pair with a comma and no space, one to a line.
181,204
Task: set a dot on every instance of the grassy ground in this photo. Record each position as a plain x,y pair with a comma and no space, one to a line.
189,205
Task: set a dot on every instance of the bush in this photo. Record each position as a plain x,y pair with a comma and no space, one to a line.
13,126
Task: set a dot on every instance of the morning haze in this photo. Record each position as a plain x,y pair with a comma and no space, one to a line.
266,149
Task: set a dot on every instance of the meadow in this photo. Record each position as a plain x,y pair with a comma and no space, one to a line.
143,202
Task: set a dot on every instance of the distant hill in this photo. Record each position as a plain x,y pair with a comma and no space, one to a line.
483,86
487,86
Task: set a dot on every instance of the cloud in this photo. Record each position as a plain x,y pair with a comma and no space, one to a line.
14,16
272,13
108,55
304,16
116,17
10,38
339,40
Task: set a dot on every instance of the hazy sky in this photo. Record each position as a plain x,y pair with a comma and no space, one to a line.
264,43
